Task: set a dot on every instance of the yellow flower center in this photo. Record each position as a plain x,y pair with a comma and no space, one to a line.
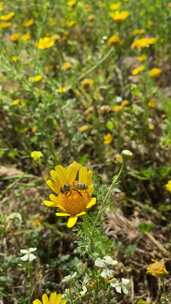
75,201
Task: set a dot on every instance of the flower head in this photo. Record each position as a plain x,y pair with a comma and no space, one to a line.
138,70
115,6
155,72
14,37
7,17
36,155
66,66
36,78
28,22
28,254
54,298
71,3
73,188
114,40
5,25
157,269
143,42
87,83
107,139
45,43
168,186
119,16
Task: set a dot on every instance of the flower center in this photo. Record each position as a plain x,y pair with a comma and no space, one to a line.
75,201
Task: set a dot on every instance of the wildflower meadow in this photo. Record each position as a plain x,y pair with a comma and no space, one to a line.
85,149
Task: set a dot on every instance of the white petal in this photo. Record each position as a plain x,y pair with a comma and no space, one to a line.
108,260
125,281
99,263
107,274
24,257
32,249
32,257
23,251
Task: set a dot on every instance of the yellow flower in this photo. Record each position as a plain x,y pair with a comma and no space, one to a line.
36,155
91,18
4,25
125,103
26,37
35,78
7,17
71,3
155,72
87,83
15,58
138,32
118,158
17,102
152,103
54,298
71,23
66,66
45,43
168,186
138,70
143,42
15,37
141,58
157,269
117,108
120,16
84,128
73,188
28,22
107,139
113,40
62,89
115,6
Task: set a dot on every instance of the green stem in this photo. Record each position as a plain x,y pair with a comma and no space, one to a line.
97,64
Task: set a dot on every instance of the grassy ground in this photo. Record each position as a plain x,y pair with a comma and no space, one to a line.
87,81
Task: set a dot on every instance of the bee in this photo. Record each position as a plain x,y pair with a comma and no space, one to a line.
65,188
80,186
77,187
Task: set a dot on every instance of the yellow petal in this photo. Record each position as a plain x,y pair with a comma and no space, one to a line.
72,171
72,221
54,298
83,174
90,188
63,301
61,174
52,186
91,203
45,299
56,200
37,302
62,214
81,213
55,178
49,203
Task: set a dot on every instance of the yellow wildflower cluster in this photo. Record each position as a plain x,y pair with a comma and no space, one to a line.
143,42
